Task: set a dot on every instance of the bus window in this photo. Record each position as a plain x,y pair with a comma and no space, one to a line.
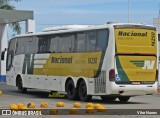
9,60
20,46
66,43
12,45
102,39
54,45
10,54
80,42
43,44
91,41
31,45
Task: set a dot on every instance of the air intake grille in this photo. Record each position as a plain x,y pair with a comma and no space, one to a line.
100,83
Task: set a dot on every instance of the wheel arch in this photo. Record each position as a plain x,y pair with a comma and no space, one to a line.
17,78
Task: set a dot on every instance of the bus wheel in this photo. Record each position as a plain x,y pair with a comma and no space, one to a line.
82,91
124,98
71,90
20,86
108,98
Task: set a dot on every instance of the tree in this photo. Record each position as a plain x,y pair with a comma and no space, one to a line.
6,4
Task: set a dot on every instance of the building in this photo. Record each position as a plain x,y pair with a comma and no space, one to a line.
6,17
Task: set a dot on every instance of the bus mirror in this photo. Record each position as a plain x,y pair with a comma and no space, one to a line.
2,56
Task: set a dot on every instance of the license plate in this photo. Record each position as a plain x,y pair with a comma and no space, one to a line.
136,83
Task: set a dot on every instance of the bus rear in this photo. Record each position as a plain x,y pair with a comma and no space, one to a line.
136,64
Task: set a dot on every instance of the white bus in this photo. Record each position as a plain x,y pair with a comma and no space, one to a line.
112,61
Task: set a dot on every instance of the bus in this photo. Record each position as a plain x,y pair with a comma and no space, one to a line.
113,61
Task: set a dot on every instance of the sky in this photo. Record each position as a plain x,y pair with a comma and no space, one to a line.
48,13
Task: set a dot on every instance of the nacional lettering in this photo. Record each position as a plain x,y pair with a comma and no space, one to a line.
122,33
61,60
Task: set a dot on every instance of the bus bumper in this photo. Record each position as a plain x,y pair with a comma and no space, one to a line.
132,90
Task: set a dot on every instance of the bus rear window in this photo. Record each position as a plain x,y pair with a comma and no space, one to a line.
135,40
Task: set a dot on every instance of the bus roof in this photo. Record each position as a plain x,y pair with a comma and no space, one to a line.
76,28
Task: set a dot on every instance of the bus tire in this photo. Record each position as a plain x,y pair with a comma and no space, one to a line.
124,98
108,98
20,86
71,90
82,91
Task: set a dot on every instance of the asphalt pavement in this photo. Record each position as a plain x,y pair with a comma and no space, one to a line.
137,105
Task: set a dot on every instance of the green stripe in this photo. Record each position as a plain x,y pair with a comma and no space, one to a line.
138,63
121,72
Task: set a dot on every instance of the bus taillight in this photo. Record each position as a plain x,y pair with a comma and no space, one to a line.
157,75
112,75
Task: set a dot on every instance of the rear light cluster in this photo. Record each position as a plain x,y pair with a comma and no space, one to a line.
156,75
112,75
